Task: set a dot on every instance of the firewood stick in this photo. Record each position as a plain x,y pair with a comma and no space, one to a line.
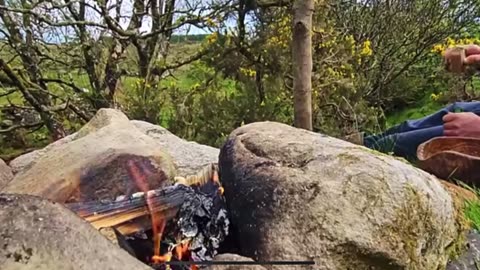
132,214
136,225
207,173
124,214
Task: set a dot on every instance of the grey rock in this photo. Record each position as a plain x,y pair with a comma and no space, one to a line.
104,117
43,235
151,129
26,161
298,195
190,157
469,259
97,164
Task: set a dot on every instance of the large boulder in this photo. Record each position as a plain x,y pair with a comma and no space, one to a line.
108,157
43,235
297,195
189,157
6,174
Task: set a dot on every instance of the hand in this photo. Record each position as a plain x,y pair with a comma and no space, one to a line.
472,53
461,124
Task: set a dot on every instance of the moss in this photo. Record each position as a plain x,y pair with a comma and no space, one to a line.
463,225
390,155
413,219
372,151
381,154
467,215
348,158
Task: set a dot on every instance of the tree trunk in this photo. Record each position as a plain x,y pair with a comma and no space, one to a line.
302,63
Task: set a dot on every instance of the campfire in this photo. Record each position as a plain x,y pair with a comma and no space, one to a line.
167,228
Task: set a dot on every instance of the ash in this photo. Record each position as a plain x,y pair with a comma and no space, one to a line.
202,218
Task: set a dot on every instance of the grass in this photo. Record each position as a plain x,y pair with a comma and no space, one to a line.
181,79
472,213
423,108
472,208
427,106
178,52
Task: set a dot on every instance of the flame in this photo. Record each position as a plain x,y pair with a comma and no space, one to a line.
140,174
181,250
216,180
215,177
164,258
158,223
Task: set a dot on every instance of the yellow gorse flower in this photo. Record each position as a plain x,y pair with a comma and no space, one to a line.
450,43
366,48
212,38
209,22
248,72
280,33
438,48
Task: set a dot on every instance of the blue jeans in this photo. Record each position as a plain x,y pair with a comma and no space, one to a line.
404,139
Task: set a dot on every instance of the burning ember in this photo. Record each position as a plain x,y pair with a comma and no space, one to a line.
184,222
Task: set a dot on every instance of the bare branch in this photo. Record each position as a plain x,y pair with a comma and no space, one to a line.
49,22
62,82
24,126
46,116
8,93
